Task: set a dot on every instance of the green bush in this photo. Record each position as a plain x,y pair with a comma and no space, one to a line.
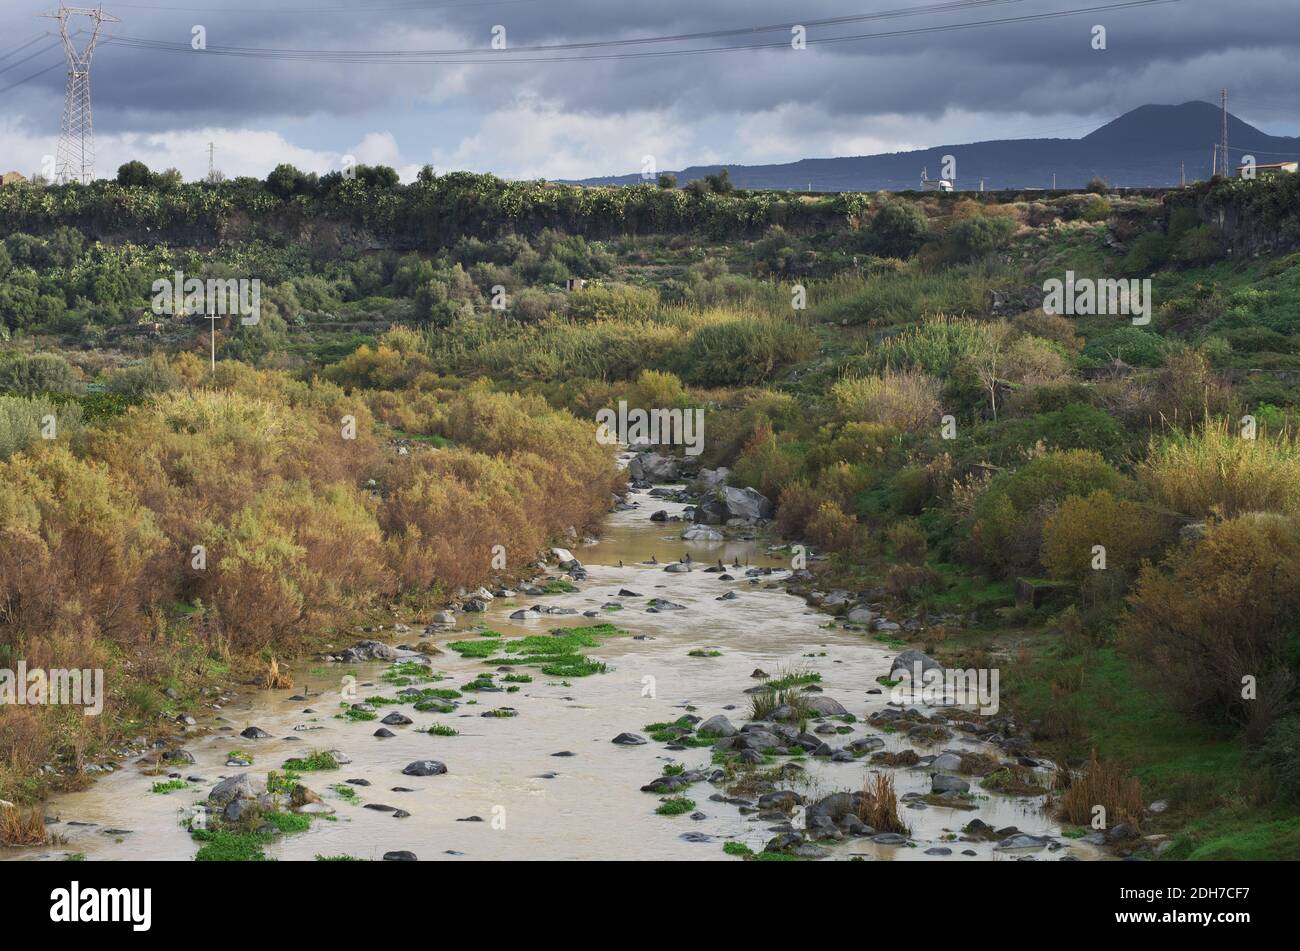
1007,519
977,237
39,373
22,420
1134,345
741,352
897,230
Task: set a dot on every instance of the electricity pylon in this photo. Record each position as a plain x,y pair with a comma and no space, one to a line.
75,159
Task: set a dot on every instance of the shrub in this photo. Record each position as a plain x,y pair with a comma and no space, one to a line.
912,582
67,527
767,463
23,422
1127,530
1034,361
1102,785
154,375
1218,611
1213,470
39,373
1074,426
1146,254
1054,327
937,346
907,541
741,350
622,302
831,529
897,229
1200,245
906,400
978,236
1132,345
879,804
1006,530
656,389
796,506
1186,390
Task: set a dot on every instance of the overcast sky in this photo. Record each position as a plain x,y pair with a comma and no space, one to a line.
604,116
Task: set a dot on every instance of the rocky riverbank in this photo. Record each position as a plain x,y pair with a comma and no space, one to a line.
650,695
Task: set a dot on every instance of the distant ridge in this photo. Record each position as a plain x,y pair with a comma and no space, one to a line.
1146,146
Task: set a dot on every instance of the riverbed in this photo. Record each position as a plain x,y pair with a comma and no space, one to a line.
507,793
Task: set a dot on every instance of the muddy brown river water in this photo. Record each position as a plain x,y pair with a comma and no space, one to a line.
535,805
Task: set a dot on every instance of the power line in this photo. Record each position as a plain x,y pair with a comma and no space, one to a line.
27,79
354,9
19,49
19,62
945,7
501,56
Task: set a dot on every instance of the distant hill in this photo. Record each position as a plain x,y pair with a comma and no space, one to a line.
1142,147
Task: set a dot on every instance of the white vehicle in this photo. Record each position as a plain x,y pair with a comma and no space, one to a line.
934,185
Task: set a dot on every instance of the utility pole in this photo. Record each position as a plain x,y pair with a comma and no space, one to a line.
1184,174
211,166
75,157
1223,94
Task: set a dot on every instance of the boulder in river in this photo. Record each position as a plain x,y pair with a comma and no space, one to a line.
726,502
860,615
242,786
1023,840
825,706
717,726
424,767
629,739
907,661
363,651
943,784
663,604
709,478
653,467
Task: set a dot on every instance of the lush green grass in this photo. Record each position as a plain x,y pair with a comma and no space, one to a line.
220,845
311,762
1239,835
481,649
675,806
1122,718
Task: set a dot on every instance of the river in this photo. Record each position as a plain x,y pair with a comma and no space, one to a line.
533,804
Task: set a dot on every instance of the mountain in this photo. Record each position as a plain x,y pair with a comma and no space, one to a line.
1146,146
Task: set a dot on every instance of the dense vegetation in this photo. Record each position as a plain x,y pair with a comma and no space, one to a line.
921,421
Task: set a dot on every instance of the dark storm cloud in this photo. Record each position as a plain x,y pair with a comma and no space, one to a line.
1165,53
